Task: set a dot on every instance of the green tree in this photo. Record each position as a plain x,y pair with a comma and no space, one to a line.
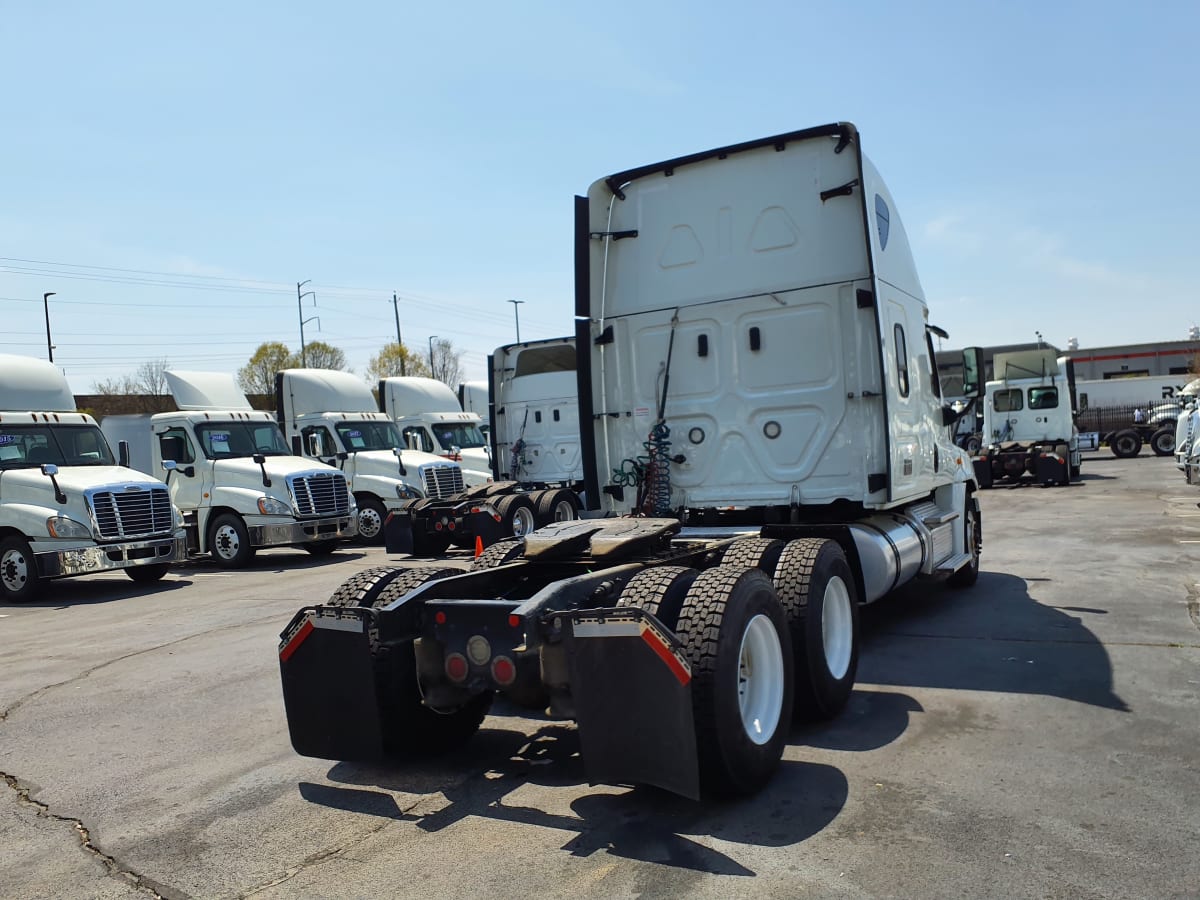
320,355
258,375
395,359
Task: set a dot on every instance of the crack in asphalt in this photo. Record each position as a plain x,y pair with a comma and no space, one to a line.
113,868
315,859
111,865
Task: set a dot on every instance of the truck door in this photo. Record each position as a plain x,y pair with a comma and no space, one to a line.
187,491
912,419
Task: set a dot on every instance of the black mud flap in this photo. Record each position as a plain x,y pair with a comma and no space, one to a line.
329,684
397,532
484,523
633,700
1051,469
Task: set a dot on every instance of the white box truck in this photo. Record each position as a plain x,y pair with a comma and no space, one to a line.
67,507
763,426
233,476
331,417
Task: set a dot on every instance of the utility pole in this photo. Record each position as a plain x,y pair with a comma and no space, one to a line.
46,303
304,321
399,342
517,313
432,337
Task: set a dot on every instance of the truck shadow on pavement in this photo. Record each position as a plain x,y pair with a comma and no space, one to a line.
90,591
994,637
642,823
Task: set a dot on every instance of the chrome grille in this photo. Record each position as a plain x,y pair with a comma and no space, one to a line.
321,494
132,513
441,480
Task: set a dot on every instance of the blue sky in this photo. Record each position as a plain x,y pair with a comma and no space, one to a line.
172,171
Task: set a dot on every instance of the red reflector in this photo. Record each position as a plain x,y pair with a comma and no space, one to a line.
503,670
450,526
496,516
456,667
440,618
514,621
437,526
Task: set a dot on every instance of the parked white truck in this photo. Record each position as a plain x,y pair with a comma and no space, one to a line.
67,507
1028,420
430,420
762,425
332,417
535,414
473,398
233,476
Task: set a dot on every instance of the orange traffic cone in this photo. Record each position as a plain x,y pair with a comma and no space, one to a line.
478,546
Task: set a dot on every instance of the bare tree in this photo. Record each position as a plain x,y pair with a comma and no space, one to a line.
446,363
151,377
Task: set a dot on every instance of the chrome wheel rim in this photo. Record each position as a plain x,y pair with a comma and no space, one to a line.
226,542
564,511
523,521
14,571
369,522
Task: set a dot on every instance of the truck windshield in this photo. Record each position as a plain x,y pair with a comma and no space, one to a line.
228,440
463,435
29,446
358,436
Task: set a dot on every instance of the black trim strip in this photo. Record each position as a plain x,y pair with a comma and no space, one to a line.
492,415
845,131
583,356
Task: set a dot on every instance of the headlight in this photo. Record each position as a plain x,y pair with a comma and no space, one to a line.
407,492
269,506
62,527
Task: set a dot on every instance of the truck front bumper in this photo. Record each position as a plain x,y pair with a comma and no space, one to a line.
306,531
61,563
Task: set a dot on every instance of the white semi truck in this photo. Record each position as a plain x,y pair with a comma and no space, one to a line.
233,476
332,417
535,414
430,420
765,448
1028,420
67,507
473,398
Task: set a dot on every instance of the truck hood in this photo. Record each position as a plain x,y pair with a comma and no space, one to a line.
280,466
74,479
383,463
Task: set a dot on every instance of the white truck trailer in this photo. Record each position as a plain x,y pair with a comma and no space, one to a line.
1028,420
67,507
331,417
535,414
233,476
766,449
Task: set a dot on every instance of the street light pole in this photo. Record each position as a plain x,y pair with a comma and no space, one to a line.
517,314
431,339
303,321
46,303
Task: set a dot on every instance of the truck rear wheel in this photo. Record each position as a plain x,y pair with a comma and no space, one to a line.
816,588
735,637
659,591
362,588
409,727
556,505
499,554
229,542
1162,442
753,553
1125,444
517,517
19,582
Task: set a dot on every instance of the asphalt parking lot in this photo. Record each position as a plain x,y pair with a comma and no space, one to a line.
1035,736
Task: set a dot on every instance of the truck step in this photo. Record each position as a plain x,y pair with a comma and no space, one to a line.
940,518
952,564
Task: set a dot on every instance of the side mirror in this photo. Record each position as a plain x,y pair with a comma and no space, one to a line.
297,445
49,469
170,447
973,385
169,465
123,454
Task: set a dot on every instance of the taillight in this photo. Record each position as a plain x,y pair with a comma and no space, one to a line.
456,667
504,671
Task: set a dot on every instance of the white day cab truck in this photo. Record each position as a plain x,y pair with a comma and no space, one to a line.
331,417
430,419
1028,421
766,449
233,476
535,415
67,507
473,398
